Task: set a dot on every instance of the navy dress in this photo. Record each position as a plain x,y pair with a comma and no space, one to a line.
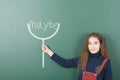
94,61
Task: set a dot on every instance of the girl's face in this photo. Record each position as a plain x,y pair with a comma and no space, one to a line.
93,45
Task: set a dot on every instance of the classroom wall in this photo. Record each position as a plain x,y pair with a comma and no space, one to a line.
20,52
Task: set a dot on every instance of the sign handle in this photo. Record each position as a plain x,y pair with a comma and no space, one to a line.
42,55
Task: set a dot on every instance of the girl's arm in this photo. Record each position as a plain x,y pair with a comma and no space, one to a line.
108,71
61,61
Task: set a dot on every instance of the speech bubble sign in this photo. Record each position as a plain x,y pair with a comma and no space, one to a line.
43,26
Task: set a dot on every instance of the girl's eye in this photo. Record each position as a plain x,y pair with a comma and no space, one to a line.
95,42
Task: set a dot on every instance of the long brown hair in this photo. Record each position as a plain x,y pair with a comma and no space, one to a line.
85,51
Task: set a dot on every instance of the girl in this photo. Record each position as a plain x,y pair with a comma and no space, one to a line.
91,60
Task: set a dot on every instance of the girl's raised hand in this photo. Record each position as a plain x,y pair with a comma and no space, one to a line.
47,50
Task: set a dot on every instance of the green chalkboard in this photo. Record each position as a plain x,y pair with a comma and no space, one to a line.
20,52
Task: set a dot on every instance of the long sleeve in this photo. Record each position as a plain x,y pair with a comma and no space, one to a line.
65,62
108,71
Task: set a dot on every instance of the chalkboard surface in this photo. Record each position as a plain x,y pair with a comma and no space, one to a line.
20,53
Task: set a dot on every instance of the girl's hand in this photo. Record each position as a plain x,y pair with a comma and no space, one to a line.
47,50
